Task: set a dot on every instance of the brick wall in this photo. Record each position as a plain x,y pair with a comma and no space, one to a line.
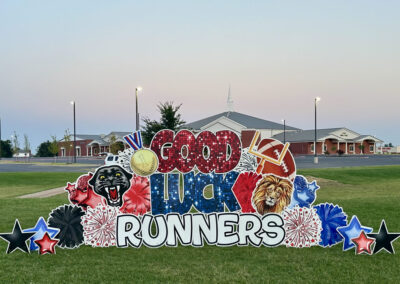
69,151
247,136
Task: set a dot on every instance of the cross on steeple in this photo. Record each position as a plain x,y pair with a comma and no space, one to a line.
229,101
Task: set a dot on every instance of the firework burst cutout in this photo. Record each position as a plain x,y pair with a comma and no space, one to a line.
247,163
99,225
303,227
124,159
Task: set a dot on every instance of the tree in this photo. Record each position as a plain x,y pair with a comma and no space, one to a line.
44,149
47,148
27,145
53,148
170,119
67,141
6,149
15,143
115,145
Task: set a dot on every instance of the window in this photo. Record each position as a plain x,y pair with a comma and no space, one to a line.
325,148
312,147
62,152
351,148
371,148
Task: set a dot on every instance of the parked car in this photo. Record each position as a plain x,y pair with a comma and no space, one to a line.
111,160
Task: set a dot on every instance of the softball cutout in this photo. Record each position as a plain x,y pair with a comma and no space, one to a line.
144,162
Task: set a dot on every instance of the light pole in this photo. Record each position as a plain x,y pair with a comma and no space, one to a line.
73,106
284,131
316,100
0,139
137,107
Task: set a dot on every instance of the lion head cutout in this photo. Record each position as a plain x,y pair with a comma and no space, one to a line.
272,194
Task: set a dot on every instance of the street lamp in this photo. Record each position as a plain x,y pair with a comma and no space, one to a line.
73,106
284,131
137,107
0,139
316,100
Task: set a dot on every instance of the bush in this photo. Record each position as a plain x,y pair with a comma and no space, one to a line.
340,152
326,153
44,150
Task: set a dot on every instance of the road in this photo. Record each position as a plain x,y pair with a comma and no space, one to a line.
302,162
80,160
307,162
43,165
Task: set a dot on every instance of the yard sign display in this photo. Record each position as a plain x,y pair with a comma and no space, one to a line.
193,190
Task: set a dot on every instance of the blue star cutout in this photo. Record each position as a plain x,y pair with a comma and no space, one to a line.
304,193
40,229
351,231
313,186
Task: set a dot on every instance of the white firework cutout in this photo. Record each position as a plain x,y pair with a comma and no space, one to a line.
302,226
99,225
248,162
124,159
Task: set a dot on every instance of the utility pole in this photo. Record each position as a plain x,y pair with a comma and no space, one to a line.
73,106
316,100
0,139
284,131
137,107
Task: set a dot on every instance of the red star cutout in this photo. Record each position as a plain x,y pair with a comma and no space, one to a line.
46,244
70,187
363,243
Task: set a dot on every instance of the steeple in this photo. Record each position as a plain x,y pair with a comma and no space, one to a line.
229,101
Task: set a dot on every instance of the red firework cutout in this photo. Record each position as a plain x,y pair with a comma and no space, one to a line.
274,158
243,190
137,198
82,194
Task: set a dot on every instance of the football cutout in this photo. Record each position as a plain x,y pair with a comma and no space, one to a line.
273,149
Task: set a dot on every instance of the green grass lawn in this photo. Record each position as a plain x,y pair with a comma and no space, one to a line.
371,193
16,184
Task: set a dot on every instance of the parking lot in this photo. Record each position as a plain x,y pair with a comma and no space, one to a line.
85,164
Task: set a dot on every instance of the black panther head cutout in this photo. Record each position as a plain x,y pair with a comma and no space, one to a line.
111,182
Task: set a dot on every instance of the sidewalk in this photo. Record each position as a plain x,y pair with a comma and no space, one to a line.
44,194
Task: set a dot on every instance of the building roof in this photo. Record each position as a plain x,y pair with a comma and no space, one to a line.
248,121
302,135
87,136
119,134
361,137
100,139
23,152
322,134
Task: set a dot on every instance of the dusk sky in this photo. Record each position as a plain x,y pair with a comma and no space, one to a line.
276,56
